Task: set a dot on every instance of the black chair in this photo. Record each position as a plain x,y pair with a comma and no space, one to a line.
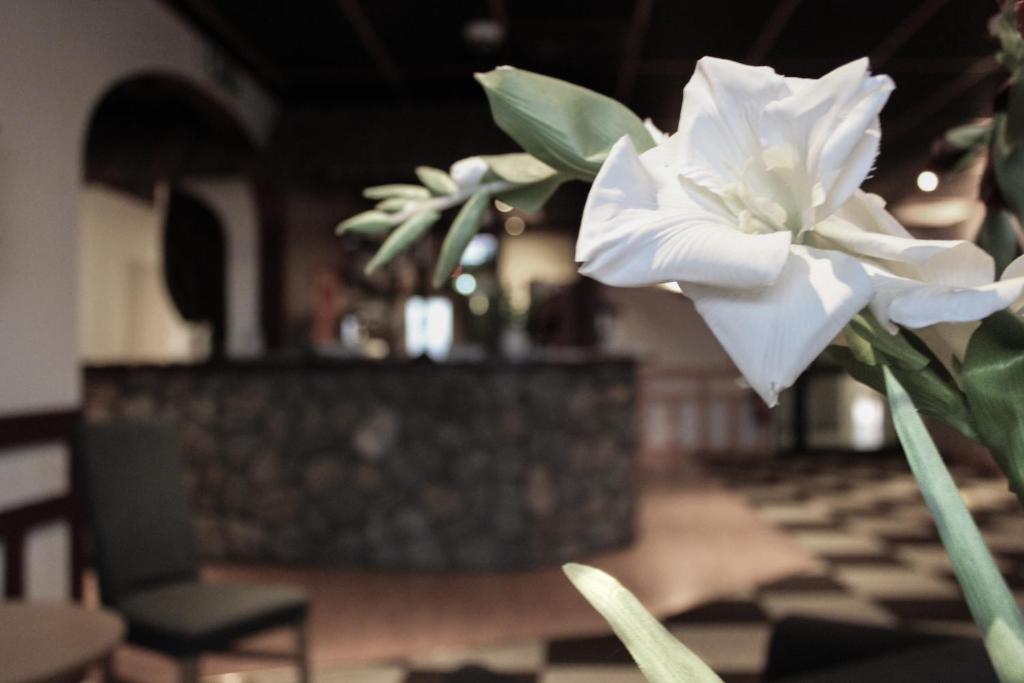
145,558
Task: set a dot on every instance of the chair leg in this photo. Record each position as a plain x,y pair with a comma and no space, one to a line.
189,667
302,652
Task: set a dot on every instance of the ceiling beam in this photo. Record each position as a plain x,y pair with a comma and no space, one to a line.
205,16
632,48
940,97
904,31
373,43
771,31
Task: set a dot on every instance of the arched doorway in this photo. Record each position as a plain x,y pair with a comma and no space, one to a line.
158,246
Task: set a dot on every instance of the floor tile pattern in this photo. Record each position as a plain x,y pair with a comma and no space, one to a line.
882,563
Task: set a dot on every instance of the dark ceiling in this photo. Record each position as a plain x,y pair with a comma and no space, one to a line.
410,63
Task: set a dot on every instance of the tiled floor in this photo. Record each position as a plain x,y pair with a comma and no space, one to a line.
883,565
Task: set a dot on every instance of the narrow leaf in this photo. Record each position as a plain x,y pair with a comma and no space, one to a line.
393,204
567,127
660,656
465,225
993,376
436,180
402,238
396,190
991,603
366,223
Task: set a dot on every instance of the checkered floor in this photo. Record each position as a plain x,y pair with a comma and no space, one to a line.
883,564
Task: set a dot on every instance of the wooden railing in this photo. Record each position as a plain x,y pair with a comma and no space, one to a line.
689,414
17,523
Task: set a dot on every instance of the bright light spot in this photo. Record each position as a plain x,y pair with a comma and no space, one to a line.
465,284
672,287
428,326
514,225
502,206
868,417
480,250
927,181
479,304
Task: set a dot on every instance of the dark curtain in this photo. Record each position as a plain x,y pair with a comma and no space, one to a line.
194,259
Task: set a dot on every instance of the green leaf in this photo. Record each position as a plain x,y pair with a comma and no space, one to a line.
532,197
993,376
402,238
393,204
436,180
536,180
969,135
895,346
519,168
465,225
396,190
366,223
992,605
567,127
934,391
998,237
1008,165
660,656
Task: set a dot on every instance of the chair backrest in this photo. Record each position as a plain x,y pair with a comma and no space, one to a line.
137,507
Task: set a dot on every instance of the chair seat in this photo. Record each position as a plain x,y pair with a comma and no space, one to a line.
187,618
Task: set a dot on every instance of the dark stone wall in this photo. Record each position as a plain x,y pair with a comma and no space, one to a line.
395,465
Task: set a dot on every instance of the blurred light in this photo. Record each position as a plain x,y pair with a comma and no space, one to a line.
671,287
483,35
502,206
479,304
428,326
480,250
514,225
936,212
465,284
868,417
927,181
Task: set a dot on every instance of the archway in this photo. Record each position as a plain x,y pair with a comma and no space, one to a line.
169,220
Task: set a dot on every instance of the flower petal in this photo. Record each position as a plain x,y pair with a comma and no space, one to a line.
956,263
722,104
773,333
833,122
916,303
925,305
640,229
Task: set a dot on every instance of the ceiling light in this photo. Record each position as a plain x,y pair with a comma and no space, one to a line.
514,225
927,181
465,284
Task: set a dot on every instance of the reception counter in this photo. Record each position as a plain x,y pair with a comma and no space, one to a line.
402,465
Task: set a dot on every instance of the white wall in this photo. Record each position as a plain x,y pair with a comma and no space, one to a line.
234,202
534,257
57,59
663,328
125,313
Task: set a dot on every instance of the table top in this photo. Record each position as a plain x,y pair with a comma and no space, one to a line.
42,641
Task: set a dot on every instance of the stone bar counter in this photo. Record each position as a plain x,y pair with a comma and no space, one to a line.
401,465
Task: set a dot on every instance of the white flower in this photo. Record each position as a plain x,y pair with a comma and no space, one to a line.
729,205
